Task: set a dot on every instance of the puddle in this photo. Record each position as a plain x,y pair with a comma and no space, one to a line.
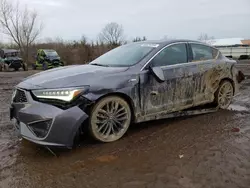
236,107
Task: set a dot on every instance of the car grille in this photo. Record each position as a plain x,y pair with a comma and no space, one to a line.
20,97
16,62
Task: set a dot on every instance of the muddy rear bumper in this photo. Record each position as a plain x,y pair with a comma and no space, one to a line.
240,76
45,124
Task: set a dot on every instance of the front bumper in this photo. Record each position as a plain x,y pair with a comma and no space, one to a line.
46,124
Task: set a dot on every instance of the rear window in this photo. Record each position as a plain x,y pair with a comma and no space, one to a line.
202,52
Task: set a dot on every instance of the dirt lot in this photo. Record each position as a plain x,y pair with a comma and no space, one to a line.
209,150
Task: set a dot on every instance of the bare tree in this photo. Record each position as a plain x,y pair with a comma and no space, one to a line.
205,38
112,34
84,40
21,25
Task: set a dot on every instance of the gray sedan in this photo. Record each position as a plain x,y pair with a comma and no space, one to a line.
135,82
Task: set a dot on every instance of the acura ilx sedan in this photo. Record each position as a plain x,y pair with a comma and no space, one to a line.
135,82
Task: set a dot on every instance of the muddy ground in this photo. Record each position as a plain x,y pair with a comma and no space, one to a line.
210,150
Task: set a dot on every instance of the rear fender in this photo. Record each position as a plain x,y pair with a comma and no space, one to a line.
237,77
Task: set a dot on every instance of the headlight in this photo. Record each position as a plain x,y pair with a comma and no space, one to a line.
64,94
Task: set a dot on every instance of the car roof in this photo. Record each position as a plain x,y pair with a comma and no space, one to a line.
9,50
170,41
48,50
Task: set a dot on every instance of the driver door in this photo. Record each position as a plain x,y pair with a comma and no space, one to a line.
176,91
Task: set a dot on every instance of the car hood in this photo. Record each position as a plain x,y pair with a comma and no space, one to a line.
13,58
68,76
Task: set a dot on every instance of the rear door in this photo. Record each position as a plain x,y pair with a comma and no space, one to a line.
176,92
207,73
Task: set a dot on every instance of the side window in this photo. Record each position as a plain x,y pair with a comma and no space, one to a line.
171,55
202,52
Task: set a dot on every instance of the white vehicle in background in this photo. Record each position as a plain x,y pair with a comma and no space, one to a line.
236,48
236,52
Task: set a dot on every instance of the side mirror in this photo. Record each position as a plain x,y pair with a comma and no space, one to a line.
158,73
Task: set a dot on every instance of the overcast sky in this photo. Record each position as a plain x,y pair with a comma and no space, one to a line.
70,19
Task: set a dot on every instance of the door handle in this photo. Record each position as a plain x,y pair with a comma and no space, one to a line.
154,93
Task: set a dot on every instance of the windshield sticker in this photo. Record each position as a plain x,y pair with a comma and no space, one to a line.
150,45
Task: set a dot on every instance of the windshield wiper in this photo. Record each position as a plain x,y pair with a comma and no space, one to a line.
99,65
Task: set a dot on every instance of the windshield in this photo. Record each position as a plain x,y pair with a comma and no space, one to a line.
51,53
126,55
13,54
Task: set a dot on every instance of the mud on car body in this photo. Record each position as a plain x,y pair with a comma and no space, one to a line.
133,83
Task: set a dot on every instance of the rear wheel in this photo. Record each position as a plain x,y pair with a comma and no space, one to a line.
224,94
34,66
25,67
110,119
45,66
6,67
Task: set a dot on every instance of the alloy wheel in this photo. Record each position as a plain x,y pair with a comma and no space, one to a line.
225,95
110,119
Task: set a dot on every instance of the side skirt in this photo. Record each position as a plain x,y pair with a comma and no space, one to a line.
164,115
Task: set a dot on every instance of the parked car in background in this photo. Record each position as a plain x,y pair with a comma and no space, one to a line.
47,59
135,82
9,59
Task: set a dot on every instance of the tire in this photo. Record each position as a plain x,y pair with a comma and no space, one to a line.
16,69
224,94
25,67
33,66
45,66
6,67
109,119
1,67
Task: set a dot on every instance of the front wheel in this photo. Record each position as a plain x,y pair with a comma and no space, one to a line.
25,67
224,94
6,67
110,119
